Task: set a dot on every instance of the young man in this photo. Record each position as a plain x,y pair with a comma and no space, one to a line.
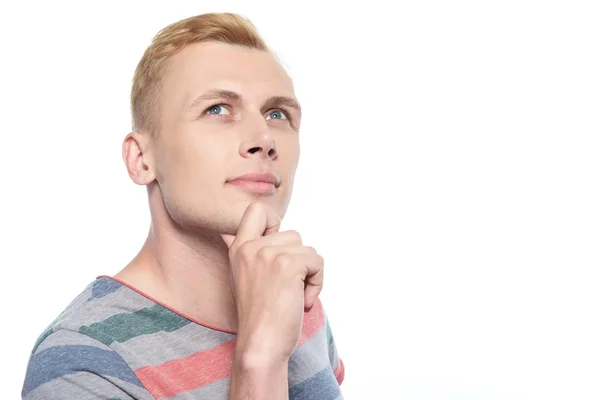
218,303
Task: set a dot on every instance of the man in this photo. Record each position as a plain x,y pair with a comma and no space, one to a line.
218,303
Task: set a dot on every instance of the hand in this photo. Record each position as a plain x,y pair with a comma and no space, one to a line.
274,279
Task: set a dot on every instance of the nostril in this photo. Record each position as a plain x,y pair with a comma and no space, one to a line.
272,152
254,150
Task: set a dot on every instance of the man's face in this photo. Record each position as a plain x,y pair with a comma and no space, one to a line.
226,111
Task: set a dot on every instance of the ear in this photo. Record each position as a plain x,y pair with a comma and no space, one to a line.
138,159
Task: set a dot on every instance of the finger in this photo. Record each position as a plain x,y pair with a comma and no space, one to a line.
312,289
313,282
303,262
271,252
286,238
258,220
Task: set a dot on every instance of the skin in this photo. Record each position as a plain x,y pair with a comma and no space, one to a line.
184,261
214,251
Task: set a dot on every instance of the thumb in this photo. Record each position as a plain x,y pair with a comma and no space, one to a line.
258,220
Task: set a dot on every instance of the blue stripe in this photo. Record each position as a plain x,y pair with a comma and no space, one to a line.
54,362
322,386
102,287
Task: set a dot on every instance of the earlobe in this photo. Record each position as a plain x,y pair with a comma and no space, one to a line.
137,159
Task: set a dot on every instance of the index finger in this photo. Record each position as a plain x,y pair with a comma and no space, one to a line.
258,220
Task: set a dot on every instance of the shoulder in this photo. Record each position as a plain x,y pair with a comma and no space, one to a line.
317,339
66,361
315,369
100,302
334,358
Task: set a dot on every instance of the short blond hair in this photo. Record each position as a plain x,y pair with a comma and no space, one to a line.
145,91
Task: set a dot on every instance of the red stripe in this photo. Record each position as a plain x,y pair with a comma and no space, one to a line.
189,373
313,321
208,366
339,372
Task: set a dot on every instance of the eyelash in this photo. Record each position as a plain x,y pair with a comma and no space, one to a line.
283,111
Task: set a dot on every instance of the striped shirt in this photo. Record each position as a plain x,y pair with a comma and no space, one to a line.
114,342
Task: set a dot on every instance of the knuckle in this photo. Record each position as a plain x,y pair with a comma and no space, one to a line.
245,251
283,259
264,254
320,259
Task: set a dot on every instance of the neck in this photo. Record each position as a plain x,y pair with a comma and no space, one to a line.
187,272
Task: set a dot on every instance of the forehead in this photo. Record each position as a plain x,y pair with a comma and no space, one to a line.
213,65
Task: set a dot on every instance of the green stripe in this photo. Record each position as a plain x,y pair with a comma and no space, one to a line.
329,335
49,330
122,327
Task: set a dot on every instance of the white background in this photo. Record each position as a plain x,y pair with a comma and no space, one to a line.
449,176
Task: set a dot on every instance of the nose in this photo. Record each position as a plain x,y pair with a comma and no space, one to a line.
261,144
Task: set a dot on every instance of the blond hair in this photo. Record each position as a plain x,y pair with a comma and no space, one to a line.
223,27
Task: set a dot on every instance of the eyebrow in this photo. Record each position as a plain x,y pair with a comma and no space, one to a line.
271,102
216,94
278,101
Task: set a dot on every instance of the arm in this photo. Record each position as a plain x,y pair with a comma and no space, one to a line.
274,279
258,378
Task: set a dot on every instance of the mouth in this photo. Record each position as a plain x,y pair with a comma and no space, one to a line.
260,183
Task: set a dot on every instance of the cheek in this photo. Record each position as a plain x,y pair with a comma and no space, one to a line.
288,147
288,175
200,153
191,169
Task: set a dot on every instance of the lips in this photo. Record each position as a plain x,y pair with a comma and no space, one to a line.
257,182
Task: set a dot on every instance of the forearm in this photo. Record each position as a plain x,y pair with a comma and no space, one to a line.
258,378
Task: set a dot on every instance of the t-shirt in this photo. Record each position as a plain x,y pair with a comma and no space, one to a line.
114,342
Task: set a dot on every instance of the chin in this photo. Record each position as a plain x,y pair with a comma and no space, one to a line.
232,217
224,217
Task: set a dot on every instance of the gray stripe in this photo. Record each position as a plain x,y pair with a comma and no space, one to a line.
309,358
85,385
65,337
333,356
218,390
57,362
161,347
97,310
73,307
138,393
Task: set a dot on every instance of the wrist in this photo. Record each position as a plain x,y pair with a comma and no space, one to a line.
259,358
261,347
259,373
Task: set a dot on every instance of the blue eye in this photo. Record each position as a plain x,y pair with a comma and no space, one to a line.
217,109
276,115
